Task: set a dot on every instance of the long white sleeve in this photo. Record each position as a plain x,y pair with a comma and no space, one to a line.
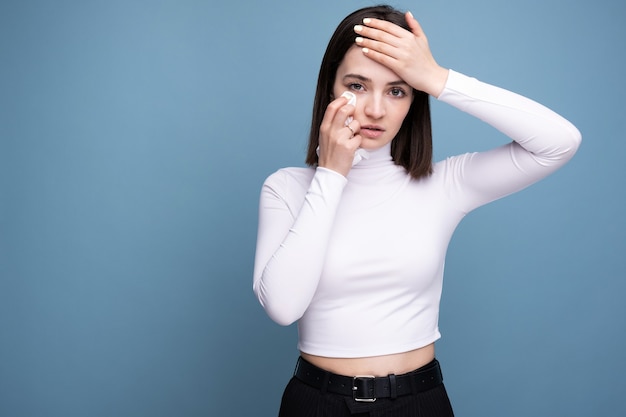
292,244
543,141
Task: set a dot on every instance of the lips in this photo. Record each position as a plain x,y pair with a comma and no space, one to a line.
371,131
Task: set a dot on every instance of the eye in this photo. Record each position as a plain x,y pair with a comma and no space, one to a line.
397,92
356,86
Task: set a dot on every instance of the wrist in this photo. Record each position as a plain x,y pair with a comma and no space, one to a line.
439,80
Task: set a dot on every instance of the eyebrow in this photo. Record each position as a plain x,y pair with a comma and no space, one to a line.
365,79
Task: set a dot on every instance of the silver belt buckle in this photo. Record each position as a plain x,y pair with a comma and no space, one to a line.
355,388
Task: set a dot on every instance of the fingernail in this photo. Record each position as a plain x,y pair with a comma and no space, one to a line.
358,28
367,20
358,39
410,14
365,50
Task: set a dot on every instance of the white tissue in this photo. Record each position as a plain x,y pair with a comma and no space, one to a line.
352,101
359,155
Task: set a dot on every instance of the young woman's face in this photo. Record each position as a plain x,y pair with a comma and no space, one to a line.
382,98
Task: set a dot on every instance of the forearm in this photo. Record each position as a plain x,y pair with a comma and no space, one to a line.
536,128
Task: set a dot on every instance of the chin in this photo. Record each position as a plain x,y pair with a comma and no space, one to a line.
372,145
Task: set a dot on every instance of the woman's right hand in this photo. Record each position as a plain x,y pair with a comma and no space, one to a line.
338,142
406,53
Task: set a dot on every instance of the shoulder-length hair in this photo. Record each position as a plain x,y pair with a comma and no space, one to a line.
412,147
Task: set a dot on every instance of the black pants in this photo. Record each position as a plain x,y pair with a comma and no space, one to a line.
302,400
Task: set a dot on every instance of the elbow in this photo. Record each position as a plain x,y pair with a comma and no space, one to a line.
566,143
576,139
573,141
281,317
282,311
572,138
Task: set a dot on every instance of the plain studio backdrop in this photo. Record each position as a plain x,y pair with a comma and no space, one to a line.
134,139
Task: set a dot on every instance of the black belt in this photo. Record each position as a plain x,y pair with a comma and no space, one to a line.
369,388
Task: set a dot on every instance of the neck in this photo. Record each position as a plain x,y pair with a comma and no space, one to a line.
376,168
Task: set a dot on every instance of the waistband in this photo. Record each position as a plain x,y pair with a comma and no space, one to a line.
367,388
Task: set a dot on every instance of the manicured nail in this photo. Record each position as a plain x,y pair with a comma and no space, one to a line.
358,39
358,28
410,14
365,50
367,20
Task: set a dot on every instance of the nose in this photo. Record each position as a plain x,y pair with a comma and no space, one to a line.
374,106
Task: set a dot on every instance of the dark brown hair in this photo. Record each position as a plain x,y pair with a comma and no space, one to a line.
412,147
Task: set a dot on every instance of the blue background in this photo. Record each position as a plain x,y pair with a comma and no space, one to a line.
134,139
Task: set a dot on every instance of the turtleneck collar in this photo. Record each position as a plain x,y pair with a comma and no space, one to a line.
377,166
376,157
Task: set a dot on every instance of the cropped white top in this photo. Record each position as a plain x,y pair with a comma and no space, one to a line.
359,261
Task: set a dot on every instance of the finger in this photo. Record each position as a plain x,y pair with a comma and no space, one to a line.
377,35
383,48
384,26
351,131
343,114
414,24
331,115
379,57
354,127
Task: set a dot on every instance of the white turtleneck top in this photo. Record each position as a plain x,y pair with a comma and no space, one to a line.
358,261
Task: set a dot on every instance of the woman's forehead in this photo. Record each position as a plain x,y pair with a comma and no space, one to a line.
355,62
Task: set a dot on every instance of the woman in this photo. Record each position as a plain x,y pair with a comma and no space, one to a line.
355,253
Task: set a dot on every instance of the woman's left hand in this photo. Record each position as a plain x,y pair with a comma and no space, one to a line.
405,53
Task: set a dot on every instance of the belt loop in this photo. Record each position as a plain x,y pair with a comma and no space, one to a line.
325,379
413,385
295,371
439,373
393,387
